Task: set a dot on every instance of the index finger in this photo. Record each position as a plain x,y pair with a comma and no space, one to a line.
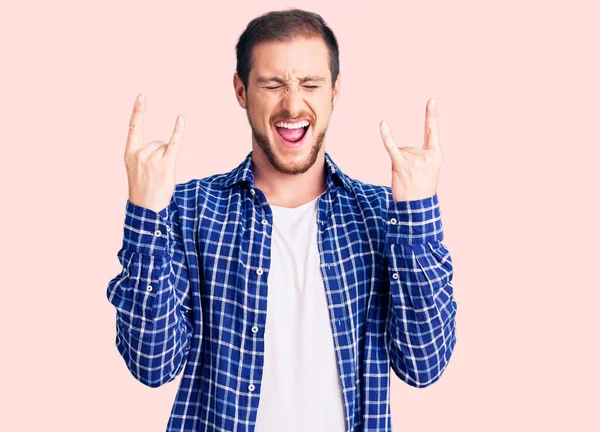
432,141
136,123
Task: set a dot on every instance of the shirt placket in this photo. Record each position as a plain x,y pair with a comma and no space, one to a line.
257,288
335,298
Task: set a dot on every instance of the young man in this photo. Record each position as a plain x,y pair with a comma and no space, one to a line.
355,277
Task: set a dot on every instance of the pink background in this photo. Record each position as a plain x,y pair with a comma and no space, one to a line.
517,90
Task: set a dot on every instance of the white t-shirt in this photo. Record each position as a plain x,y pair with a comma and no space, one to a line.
300,386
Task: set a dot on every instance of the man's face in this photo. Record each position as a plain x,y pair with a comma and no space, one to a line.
288,82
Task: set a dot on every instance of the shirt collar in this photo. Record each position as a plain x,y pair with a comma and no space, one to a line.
243,173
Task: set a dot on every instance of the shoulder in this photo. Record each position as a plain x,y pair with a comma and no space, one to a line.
371,194
199,188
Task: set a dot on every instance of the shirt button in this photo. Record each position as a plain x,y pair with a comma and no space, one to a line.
149,288
393,221
255,329
251,387
264,222
259,271
168,228
395,275
157,233
252,191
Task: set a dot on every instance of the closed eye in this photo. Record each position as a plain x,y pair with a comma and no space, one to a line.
309,87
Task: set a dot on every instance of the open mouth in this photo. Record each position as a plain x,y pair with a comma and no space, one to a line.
292,137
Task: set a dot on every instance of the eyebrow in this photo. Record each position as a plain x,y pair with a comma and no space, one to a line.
264,80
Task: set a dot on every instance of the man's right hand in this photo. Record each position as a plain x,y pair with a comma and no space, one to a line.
150,167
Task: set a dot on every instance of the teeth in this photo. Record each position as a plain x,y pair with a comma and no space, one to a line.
292,125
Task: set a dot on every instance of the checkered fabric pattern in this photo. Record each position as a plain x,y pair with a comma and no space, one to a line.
192,296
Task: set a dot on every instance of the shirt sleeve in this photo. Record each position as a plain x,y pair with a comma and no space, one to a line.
152,295
421,321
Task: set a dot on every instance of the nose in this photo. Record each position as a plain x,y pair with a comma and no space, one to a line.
292,100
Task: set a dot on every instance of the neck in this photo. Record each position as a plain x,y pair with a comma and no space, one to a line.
288,190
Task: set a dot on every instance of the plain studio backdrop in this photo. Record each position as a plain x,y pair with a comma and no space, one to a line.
516,84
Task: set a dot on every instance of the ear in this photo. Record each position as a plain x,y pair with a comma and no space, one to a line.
336,89
240,90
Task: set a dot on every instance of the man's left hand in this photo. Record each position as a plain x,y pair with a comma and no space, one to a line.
415,171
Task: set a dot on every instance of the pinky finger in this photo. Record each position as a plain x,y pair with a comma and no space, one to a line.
175,141
388,141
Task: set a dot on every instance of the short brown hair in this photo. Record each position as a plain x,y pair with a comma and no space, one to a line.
283,26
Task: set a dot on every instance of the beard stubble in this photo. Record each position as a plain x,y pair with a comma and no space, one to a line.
264,143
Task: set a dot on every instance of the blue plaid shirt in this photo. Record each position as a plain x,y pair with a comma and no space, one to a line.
192,296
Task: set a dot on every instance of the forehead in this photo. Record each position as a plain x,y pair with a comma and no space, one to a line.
290,59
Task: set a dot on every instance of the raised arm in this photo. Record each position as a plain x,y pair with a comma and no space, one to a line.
152,293
421,324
